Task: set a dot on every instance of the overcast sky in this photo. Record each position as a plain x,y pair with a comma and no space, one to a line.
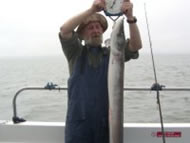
30,27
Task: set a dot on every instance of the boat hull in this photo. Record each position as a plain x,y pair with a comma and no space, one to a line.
54,132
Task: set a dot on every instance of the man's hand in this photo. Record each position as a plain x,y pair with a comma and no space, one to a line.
127,9
98,5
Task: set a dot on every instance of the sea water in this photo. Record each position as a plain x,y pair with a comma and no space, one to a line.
139,106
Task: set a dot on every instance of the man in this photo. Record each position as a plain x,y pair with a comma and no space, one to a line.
87,115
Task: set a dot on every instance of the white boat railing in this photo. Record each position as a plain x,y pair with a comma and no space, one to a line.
52,132
51,86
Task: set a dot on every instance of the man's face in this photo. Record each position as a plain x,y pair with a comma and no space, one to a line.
92,34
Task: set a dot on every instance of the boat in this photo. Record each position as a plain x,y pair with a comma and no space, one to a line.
19,130
51,132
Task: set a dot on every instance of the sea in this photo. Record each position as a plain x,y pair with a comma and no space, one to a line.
139,106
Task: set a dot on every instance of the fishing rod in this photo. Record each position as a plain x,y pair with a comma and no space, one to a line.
156,85
113,8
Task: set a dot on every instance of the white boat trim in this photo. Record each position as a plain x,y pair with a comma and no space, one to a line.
39,132
53,132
